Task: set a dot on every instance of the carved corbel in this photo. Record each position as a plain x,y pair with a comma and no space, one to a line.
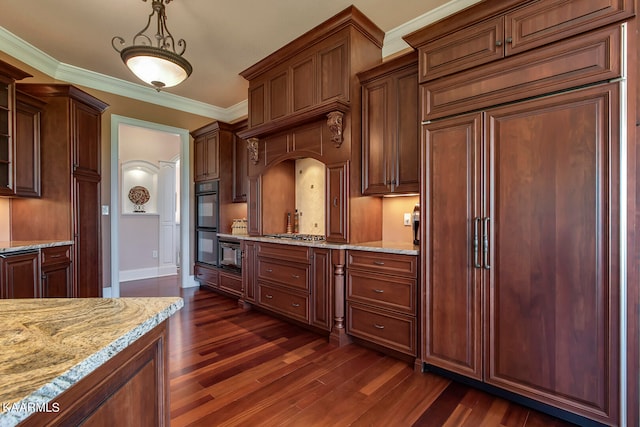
334,121
252,147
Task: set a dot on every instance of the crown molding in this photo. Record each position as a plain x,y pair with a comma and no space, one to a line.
393,42
34,57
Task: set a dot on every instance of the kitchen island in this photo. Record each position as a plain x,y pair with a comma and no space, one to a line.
91,360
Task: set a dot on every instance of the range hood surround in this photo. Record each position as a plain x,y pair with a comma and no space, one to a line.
304,102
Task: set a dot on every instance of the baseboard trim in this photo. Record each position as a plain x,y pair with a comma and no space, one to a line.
147,273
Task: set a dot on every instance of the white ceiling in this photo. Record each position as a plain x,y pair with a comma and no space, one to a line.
223,37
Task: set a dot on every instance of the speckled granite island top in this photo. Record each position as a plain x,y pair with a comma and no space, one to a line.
48,345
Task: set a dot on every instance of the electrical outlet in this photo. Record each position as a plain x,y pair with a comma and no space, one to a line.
105,210
154,254
407,219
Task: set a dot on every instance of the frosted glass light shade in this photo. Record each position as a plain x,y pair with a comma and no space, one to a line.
157,67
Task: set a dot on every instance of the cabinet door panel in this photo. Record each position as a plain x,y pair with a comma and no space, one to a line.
551,20
333,74
278,96
19,277
375,137
406,156
57,281
337,212
554,295
257,113
452,325
302,78
462,49
86,122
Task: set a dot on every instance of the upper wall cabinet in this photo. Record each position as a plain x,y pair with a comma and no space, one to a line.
27,149
448,47
207,141
390,127
8,76
311,76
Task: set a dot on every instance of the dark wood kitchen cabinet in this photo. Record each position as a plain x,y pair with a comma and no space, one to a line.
521,250
69,207
382,299
27,159
19,275
207,143
294,281
494,33
56,272
8,77
390,127
240,165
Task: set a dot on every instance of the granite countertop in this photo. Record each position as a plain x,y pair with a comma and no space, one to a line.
48,345
24,245
403,248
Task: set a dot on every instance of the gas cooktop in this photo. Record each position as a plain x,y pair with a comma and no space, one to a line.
297,236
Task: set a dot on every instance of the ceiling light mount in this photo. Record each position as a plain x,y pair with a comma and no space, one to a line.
155,59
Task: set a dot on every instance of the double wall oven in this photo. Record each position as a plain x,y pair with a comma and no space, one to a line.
207,222
210,250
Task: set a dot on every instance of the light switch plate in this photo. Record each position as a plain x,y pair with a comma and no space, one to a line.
105,209
407,219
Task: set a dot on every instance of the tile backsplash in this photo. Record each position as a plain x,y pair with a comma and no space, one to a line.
310,195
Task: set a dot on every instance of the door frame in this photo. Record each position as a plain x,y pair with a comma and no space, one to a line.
186,278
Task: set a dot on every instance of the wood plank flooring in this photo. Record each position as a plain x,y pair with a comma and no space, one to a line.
232,367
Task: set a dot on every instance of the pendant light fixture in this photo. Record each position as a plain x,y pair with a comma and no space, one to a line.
153,58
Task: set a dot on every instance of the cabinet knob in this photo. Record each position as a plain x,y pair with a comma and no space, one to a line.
509,40
498,42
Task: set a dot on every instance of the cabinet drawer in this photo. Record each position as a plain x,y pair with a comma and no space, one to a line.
206,276
290,304
230,283
284,252
394,331
405,265
55,255
294,275
394,293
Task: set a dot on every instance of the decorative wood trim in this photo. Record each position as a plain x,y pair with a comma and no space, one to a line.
252,147
296,119
334,121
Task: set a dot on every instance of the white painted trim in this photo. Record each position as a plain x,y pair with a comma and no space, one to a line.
393,42
146,273
106,292
186,280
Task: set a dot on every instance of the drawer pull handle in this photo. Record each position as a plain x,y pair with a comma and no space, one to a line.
378,262
269,270
378,291
378,326
295,276
55,256
295,304
267,296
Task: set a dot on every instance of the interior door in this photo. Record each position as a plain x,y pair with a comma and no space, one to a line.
553,199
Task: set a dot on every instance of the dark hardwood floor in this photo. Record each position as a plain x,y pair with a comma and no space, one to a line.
230,367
